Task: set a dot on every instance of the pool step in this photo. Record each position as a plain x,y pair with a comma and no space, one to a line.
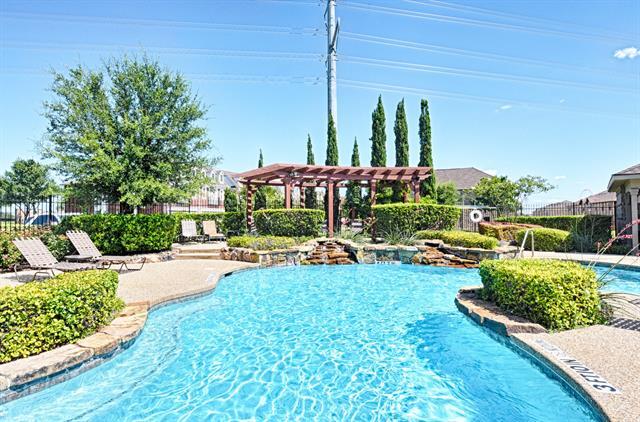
197,251
181,256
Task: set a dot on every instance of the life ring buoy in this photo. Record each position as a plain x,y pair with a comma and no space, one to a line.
475,216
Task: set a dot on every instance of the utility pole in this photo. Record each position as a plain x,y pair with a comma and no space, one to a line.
333,27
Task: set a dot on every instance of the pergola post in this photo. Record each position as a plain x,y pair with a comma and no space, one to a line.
302,195
287,193
415,187
330,208
250,191
372,196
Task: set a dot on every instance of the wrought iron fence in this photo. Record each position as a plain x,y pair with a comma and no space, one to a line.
25,217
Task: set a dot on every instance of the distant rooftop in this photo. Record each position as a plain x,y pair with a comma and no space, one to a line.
464,178
629,171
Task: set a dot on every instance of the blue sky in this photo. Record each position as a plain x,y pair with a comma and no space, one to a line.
515,87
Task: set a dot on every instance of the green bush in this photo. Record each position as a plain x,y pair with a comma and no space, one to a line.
261,243
551,240
288,222
555,294
409,218
59,246
125,233
37,317
502,230
226,222
460,238
587,230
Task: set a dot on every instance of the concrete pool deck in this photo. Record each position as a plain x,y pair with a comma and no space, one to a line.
622,262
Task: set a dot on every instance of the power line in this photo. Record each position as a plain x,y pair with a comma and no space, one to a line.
164,23
499,14
399,89
444,70
476,22
393,42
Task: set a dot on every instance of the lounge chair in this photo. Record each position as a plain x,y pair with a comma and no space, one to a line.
42,260
87,251
210,230
190,232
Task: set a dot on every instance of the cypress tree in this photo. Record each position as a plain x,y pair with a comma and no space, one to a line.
354,193
260,200
310,200
428,187
378,136
332,160
401,131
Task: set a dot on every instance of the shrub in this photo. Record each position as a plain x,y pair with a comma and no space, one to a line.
501,230
588,230
125,233
460,238
261,243
37,317
288,222
409,218
555,294
551,240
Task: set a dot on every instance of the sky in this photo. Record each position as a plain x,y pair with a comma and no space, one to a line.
540,87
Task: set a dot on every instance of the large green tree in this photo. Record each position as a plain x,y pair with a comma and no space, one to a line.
354,192
332,160
260,200
507,195
428,187
310,200
25,184
401,131
128,132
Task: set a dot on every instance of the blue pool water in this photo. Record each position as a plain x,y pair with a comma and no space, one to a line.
619,280
362,342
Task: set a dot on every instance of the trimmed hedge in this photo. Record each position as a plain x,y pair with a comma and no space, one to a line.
37,317
551,240
501,230
409,218
125,233
288,222
226,222
587,229
261,243
460,238
555,294
59,246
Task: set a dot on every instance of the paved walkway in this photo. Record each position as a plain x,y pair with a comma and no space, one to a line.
165,281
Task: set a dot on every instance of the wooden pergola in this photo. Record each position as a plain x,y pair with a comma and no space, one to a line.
302,176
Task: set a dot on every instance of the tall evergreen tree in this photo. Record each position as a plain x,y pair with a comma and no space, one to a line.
354,193
378,136
260,201
332,160
428,187
401,131
310,200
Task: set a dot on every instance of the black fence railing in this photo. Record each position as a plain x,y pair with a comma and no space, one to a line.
25,217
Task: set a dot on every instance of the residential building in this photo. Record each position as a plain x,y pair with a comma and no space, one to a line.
626,185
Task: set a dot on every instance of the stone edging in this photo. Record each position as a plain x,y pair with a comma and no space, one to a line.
28,375
510,326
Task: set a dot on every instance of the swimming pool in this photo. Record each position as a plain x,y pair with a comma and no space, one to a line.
620,280
361,342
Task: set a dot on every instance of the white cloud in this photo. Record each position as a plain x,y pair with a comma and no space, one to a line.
492,172
505,107
559,177
562,101
627,53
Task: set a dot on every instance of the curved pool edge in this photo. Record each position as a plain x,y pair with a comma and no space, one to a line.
520,334
29,375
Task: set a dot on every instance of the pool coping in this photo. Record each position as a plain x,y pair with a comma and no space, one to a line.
29,375
529,339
